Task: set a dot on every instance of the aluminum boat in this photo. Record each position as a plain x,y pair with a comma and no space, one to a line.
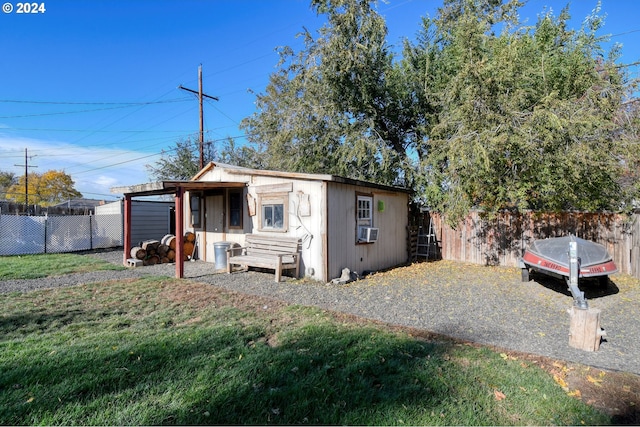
551,257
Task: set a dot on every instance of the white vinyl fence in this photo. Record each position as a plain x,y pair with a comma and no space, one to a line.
21,235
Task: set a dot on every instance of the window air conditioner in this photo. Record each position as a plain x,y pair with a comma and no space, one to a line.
368,234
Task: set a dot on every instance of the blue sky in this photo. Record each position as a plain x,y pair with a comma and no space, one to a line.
90,86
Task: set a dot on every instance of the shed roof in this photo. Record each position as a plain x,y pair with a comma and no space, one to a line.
232,169
168,187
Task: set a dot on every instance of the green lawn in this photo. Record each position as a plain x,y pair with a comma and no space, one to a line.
168,351
36,266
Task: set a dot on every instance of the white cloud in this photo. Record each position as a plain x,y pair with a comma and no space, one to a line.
106,181
94,169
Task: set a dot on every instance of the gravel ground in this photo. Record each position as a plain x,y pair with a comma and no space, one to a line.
486,305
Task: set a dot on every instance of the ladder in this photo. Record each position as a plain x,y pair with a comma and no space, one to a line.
426,240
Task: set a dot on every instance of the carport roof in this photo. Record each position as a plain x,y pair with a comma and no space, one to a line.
169,187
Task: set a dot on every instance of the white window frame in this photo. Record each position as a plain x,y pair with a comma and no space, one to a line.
364,213
364,210
273,201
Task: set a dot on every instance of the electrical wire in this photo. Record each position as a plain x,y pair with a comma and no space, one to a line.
89,130
167,101
66,112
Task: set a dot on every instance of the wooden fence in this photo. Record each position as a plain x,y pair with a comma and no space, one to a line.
502,241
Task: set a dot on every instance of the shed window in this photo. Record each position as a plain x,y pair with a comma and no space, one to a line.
194,207
364,216
274,212
364,211
235,209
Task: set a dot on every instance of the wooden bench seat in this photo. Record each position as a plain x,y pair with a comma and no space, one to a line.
265,251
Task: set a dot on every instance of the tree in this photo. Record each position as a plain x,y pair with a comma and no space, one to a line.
526,119
338,106
180,162
480,112
47,189
7,179
244,156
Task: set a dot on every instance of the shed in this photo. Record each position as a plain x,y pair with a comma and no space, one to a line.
150,219
342,223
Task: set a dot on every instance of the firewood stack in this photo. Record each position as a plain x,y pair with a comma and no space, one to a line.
152,252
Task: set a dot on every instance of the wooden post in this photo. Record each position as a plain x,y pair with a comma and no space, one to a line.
179,232
584,331
127,227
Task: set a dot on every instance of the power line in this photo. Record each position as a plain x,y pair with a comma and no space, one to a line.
624,33
151,155
167,101
94,131
118,155
92,110
121,118
120,163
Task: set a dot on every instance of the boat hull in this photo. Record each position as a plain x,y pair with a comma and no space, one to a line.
551,256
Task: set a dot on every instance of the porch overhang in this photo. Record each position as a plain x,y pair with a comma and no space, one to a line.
170,187
177,188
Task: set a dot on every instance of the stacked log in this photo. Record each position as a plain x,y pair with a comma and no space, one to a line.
152,260
169,240
188,245
151,249
153,252
138,253
151,246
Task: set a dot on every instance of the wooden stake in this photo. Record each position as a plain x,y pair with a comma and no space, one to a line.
584,331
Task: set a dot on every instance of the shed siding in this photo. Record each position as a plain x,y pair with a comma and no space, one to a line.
308,228
149,219
391,248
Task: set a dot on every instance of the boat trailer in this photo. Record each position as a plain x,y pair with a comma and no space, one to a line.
572,281
568,258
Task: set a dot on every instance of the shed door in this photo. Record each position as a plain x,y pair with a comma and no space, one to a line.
214,224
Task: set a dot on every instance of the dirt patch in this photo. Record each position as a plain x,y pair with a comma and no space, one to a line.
200,295
615,393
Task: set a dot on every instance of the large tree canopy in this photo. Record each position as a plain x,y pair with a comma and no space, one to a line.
529,118
336,106
47,189
480,111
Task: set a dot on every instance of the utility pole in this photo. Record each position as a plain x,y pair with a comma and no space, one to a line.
26,180
200,98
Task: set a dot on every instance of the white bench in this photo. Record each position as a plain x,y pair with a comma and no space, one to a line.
264,251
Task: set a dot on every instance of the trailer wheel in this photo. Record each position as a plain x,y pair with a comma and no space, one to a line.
525,275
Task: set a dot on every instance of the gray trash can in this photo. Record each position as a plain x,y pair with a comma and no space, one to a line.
220,251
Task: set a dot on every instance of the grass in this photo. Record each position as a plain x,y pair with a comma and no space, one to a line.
45,265
168,351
